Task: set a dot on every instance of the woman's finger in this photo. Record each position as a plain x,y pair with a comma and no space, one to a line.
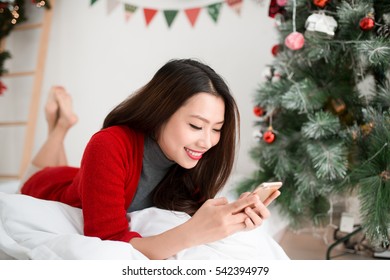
264,213
245,194
256,219
249,224
217,201
240,204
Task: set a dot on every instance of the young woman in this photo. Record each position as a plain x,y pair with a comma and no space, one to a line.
170,145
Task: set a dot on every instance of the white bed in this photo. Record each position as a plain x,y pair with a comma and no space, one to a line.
31,228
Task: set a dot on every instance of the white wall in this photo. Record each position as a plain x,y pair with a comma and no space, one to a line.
101,59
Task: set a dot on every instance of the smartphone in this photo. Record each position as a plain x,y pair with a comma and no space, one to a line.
264,190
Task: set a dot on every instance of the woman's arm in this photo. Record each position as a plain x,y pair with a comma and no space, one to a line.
216,219
102,182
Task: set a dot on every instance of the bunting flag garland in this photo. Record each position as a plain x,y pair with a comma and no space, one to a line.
192,13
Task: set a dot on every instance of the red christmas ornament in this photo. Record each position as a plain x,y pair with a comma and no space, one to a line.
3,88
269,136
294,41
320,3
367,23
275,9
275,50
258,111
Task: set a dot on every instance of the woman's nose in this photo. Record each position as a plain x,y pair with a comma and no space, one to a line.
205,141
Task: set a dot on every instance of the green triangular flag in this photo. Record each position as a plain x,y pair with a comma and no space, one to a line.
170,16
129,11
93,2
130,8
214,10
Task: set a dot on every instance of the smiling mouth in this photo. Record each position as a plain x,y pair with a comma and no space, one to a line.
193,155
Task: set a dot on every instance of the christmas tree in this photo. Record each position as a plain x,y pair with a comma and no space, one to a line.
323,117
12,13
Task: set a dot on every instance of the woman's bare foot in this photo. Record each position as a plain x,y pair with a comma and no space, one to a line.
59,113
52,109
67,118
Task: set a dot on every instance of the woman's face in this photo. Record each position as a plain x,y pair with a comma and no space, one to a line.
193,129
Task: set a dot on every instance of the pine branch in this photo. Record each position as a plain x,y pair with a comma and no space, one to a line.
382,99
376,53
318,47
268,95
307,181
329,159
283,165
304,97
375,209
321,125
372,176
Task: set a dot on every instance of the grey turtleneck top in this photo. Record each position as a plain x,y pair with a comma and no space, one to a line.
155,166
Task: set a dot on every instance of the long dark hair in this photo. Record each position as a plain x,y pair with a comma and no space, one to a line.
151,106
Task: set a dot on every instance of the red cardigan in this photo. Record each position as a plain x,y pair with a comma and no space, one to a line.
103,186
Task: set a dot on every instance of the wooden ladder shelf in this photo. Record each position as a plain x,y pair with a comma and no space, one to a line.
37,74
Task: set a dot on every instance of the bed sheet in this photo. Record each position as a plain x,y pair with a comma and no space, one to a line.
31,228
28,231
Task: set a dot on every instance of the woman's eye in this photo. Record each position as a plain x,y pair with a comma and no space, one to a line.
195,127
217,130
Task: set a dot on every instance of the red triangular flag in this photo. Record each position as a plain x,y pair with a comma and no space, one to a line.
149,15
192,15
236,5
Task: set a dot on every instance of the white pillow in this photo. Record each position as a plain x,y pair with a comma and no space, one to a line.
9,186
32,228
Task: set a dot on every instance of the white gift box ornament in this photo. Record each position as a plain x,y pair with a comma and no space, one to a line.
320,22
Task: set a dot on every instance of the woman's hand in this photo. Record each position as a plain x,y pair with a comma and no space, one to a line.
217,218
260,210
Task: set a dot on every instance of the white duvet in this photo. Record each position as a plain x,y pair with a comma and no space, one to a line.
31,228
